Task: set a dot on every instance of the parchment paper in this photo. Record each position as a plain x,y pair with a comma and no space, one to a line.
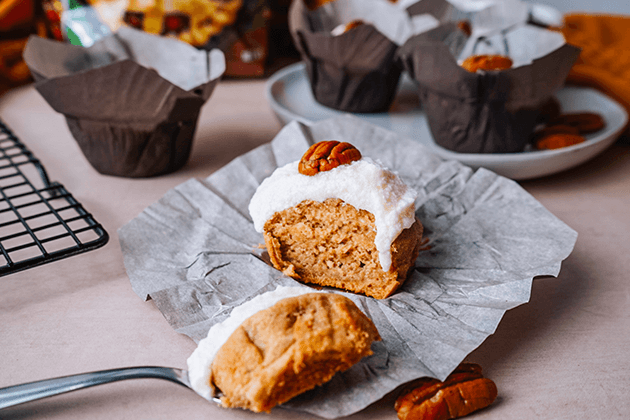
491,16
196,254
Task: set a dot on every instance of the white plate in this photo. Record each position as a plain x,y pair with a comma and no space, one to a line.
289,94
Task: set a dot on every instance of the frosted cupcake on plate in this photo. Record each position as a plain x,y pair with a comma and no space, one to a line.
349,48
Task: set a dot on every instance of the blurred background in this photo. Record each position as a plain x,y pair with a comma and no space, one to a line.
253,34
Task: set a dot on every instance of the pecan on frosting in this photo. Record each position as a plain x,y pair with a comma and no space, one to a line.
326,155
487,62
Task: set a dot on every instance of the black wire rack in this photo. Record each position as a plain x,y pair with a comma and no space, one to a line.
40,221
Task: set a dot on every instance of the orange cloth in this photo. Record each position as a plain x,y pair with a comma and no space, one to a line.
604,62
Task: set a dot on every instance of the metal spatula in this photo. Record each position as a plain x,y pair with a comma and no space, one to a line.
19,394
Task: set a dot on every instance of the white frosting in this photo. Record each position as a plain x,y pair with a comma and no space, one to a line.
364,184
200,361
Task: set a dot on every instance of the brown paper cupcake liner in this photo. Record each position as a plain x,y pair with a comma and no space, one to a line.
356,71
484,112
131,101
133,150
366,85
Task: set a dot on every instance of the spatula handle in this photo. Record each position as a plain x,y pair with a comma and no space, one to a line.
19,394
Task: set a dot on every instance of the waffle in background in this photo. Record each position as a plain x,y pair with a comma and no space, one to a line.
253,34
240,28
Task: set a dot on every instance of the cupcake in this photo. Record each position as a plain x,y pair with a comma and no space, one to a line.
338,219
131,100
349,48
485,95
279,345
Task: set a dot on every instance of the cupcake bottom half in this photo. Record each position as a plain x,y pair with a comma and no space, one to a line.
332,244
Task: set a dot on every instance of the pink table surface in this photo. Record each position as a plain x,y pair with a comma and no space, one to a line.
563,355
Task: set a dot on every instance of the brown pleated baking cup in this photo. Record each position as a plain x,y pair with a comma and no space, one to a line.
127,119
133,149
355,71
485,112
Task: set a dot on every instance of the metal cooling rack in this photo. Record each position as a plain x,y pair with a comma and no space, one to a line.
40,221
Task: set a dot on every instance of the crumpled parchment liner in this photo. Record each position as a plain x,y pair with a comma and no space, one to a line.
196,254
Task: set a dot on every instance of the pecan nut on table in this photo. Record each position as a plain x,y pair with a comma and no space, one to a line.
567,129
462,392
326,155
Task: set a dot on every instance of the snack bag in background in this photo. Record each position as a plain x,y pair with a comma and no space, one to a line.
81,24
237,27
52,10
240,28
193,21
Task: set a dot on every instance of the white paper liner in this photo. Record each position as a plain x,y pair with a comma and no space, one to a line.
196,254
388,18
524,44
489,16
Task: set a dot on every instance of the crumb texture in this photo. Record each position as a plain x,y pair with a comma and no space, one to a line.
332,244
289,348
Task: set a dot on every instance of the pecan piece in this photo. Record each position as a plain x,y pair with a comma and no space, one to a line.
557,129
326,155
585,122
314,4
556,137
557,140
464,26
487,62
464,391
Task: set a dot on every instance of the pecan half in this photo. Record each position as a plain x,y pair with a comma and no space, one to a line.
487,62
326,155
585,122
556,129
557,140
464,391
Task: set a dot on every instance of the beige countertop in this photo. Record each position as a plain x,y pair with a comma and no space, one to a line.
563,355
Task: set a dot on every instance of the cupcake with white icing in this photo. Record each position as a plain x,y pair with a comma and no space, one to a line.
279,345
338,219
